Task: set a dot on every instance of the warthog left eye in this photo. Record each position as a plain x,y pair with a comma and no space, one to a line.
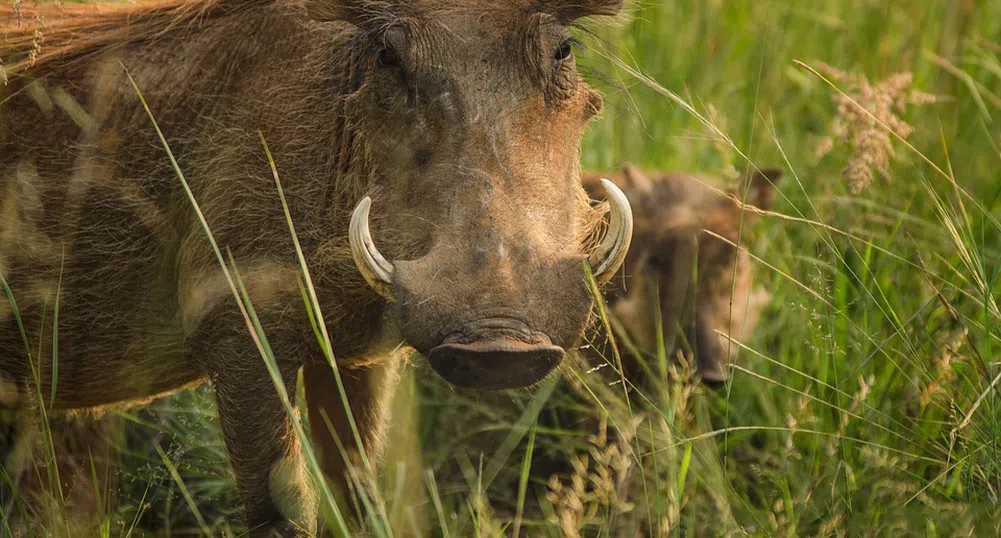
564,52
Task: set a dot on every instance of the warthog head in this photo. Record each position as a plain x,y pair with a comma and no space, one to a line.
684,256
473,114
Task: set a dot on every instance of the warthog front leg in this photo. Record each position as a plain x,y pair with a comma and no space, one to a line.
259,433
265,454
369,393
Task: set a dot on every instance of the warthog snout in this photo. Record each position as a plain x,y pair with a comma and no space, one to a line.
491,327
491,305
496,362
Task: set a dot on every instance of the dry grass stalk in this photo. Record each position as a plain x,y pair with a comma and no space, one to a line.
722,146
866,115
486,523
865,385
36,42
595,492
684,385
792,422
832,526
18,13
945,357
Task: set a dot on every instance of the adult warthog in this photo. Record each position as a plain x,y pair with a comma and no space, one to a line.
456,124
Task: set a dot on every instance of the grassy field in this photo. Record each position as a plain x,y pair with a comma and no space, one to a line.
868,400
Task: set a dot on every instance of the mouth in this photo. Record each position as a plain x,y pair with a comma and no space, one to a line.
496,363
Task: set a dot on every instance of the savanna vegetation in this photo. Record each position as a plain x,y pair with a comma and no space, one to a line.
867,401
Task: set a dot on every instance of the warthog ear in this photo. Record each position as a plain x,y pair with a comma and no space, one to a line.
636,178
760,186
575,9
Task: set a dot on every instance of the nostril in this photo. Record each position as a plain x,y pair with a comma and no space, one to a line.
503,331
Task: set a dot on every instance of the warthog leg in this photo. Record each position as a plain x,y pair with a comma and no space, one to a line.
369,393
258,431
265,454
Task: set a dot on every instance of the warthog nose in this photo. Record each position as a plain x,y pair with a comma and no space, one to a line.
495,364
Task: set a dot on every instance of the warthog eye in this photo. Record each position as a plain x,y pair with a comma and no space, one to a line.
564,76
564,52
388,58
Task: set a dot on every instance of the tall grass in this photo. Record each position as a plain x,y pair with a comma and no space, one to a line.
867,401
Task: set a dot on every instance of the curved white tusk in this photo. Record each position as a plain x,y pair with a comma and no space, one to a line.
378,271
609,257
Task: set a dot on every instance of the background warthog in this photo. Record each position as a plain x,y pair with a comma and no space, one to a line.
701,280
457,124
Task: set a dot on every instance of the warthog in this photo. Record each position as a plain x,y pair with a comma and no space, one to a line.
676,216
457,124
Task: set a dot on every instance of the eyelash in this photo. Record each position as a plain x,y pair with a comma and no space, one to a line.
573,44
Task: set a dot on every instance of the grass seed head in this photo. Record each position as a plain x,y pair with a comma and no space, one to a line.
867,115
597,483
945,358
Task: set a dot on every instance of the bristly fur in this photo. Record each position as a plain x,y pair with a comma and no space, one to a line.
464,129
39,34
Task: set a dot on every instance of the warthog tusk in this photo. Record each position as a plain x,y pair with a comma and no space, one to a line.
378,271
609,257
